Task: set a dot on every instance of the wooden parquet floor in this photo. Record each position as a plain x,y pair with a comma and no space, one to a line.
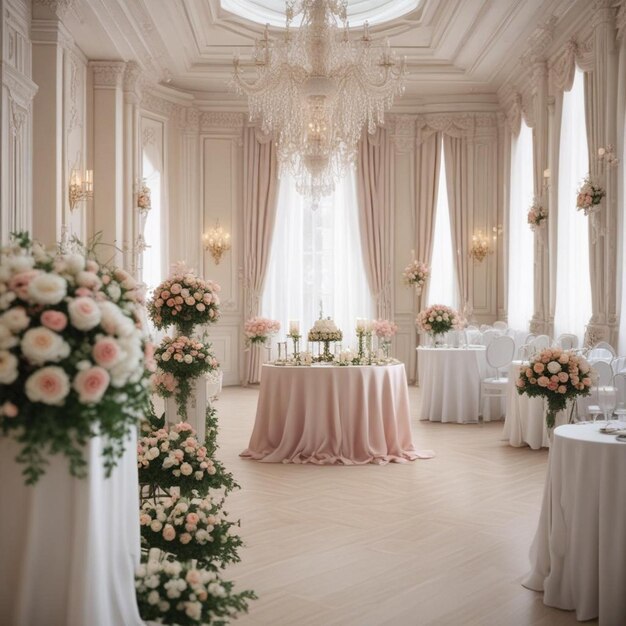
442,541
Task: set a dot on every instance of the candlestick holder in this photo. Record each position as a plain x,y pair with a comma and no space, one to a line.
296,345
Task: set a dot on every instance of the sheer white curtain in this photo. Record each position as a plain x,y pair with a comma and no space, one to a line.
442,284
521,240
573,285
317,258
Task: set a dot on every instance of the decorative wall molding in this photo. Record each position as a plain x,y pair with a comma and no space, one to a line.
19,116
21,88
155,104
133,82
221,119
108,73
539,42
59,7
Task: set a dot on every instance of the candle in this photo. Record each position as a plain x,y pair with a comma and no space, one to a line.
546,173
360,325
294,327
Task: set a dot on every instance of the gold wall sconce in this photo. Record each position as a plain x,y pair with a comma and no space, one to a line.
81,187
216,241
481,244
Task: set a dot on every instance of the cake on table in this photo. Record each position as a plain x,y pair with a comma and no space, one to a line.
325,330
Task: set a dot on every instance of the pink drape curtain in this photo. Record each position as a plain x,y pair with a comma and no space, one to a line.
260,184
458,177
374,182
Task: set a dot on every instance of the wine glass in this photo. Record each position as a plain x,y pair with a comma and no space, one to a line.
607,399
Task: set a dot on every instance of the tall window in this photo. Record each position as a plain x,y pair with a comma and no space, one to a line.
521,258
573,285
442,285
316,258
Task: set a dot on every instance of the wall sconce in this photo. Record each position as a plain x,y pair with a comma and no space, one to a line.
217,242
81,188
481,246
607,155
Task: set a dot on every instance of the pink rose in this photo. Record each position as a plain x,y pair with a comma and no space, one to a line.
552,386
168,532
561,389
185,538
54,320
543,381
587,382
91,266
9,409
170,302
539,367
19,283
193,577
84,292
563,377
49,385
91,384
520,383
192,518
106,352
528,372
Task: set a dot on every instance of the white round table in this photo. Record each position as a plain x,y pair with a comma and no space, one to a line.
333,415
450,380
525,421
578,555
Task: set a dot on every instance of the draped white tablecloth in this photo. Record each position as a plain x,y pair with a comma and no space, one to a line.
578,555
69,547
333,415
450,380
525,421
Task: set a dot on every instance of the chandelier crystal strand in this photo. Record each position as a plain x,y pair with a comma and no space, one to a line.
316,89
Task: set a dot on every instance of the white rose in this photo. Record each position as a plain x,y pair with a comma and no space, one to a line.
5,272
114,291
152,453
49,385
88,280
153,597
114,321
47,288
156,526
193,610
188,358
20,263
7,340
75,262
166,356
8,367
186,469
16,320
40,344
84,313
152,582
6,299
172,568
164,606
554,367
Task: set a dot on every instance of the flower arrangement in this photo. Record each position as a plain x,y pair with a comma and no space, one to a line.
384,329
416,273
143,197
325,330
438,319
190,528
557,375
172,456
537,214
589,196
346,357
73,356
184,359
169,592
164,384
184,300
259,329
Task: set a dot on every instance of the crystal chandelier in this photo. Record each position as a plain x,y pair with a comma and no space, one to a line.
316,89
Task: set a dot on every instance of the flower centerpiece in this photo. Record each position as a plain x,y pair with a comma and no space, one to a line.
172,456
143,197
589,196
184,300
260,329
416,273
557,375
325,331
439,319
385,331
190,528
73,356
537,214
185,359
169,592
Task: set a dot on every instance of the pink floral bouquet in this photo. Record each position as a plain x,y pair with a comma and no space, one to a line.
258,329
184,300
173,456
190,528
143,197
384,329
556,375
537,214
589,196
416,273
170,592
439,319
164,384
73,357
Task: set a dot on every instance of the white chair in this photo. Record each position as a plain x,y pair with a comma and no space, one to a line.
541,342
605,346
604,378
499,355
474,336
567,341
619,365
491,334
600,354
619,382
501,326
484,327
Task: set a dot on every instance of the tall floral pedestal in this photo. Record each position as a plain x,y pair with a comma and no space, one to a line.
196,407
69,546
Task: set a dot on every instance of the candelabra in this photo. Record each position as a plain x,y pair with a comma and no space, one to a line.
81,187
217,242
481,246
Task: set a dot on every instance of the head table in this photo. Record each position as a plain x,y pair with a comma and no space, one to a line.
578,556
326,414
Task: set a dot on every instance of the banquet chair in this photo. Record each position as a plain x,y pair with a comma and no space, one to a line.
484,327
619,382
604,378
605,346
541,342
474,336
499,355
619,364
567,341
501,326
600,354
489,336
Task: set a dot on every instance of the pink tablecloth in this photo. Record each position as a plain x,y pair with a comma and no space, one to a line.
333,415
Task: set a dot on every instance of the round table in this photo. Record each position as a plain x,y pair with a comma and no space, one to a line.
578,555
525,421
325,414
450,380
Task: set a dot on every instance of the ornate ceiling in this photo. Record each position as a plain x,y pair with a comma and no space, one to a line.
454,48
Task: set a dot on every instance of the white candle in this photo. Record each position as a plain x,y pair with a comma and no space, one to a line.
294,327
360,325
